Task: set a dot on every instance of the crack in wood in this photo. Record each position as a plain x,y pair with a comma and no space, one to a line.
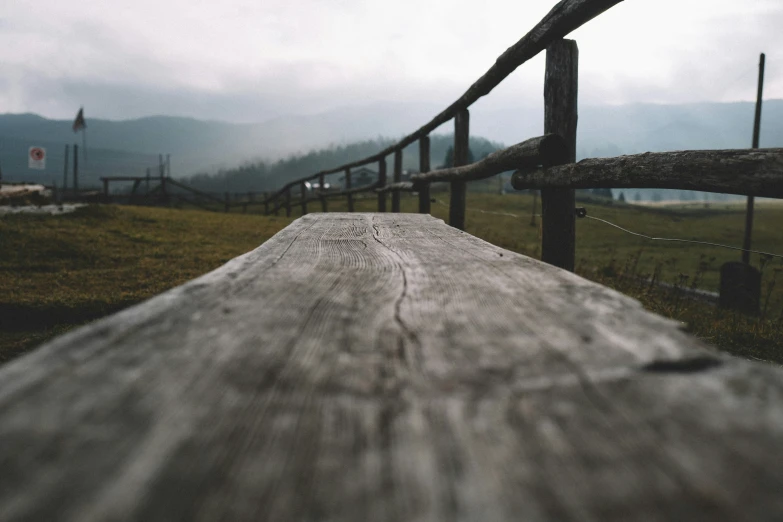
686,365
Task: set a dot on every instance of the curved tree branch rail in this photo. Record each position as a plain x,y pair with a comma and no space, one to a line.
547,162
752,172
565,17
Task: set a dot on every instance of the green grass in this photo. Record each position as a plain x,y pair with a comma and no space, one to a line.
57,272
62,271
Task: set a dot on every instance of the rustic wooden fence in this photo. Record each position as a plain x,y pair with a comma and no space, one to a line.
168,191
547,162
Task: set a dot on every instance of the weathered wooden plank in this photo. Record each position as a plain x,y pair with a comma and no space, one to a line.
388,367
558,230
755,172
545,150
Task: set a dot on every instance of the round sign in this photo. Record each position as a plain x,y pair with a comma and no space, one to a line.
37,153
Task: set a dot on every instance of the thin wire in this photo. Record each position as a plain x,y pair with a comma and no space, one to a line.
682,240
482,211
634,233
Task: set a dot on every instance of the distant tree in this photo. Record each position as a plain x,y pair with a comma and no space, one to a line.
621,197
448,160
602,193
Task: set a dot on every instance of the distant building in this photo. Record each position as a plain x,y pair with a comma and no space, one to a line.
314,185
360,177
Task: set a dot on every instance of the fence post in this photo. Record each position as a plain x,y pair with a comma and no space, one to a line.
303,197
381,184
424,166
458,188
348,187
288,202
560,117
397,178
755,145
324,207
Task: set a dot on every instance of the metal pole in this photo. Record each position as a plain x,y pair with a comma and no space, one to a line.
75,167
756,130
65,169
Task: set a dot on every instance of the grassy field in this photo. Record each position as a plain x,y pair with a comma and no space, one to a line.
57,272
63,271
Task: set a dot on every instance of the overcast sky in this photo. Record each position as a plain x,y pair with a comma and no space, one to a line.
249,60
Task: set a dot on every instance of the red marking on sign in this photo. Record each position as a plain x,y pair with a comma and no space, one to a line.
37,154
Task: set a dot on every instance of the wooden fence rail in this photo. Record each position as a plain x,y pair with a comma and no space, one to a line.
545,150
753,172
564,17
548,162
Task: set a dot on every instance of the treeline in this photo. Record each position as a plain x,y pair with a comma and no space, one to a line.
268,176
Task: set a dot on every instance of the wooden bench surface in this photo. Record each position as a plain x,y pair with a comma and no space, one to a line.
374,367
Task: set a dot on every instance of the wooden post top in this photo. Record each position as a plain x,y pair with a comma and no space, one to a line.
385,367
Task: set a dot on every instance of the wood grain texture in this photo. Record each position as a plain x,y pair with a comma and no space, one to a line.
545,150
754,172
561,85
386,367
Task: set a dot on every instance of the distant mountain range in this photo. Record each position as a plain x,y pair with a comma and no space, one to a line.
205,146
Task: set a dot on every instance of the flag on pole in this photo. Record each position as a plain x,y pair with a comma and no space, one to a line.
79,123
